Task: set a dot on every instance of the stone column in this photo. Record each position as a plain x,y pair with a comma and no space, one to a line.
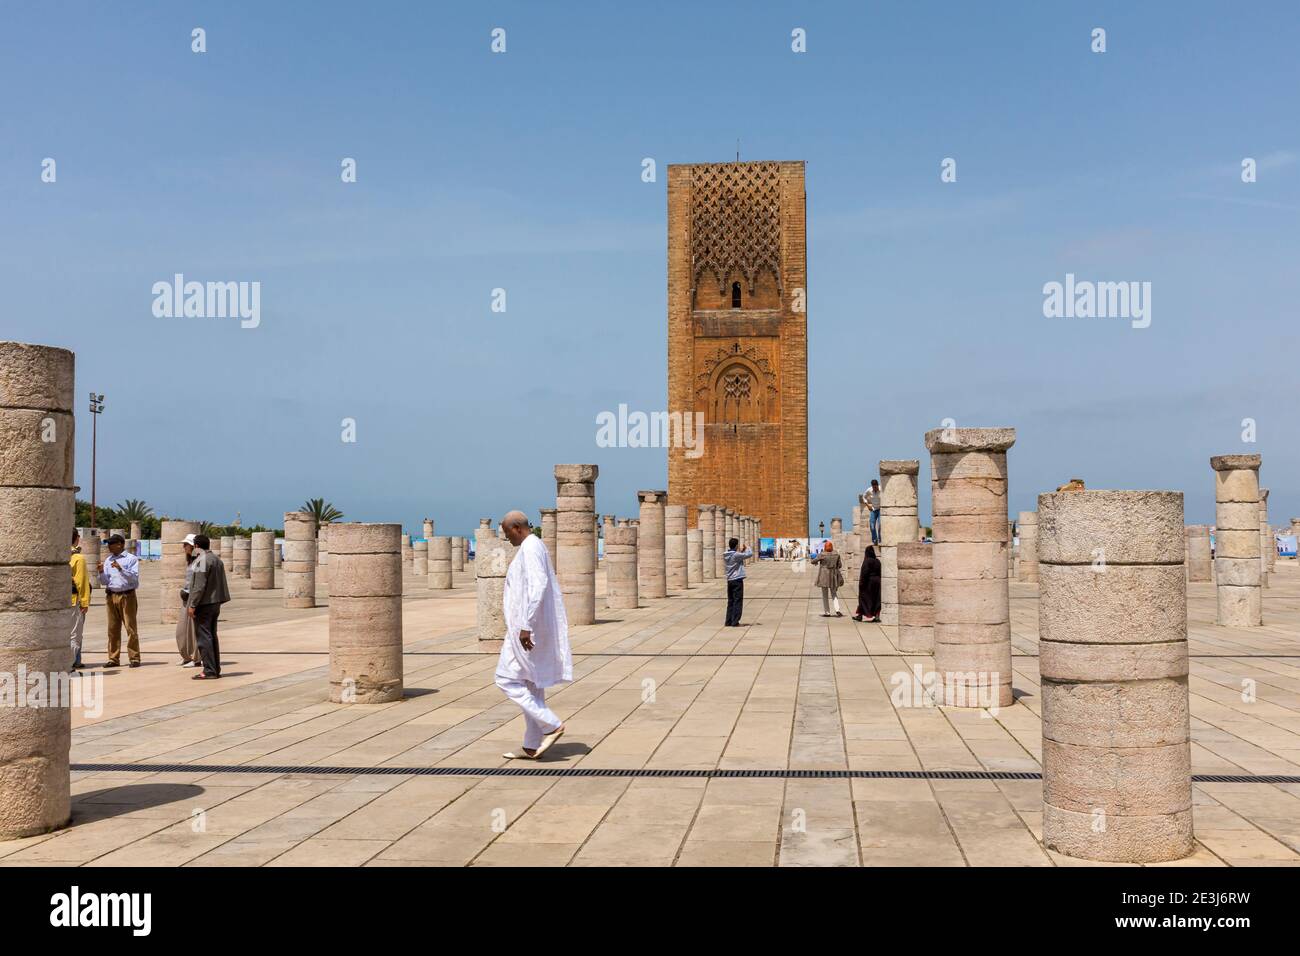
420,559
94,555
1266,546
708,541
675,547
972,630
837,534
915,561
729,528
226,544
491,561
1028,527
1236,540
457,553
857,519
366,613
408,555
261,562
651,556
243,552
299,565
171,567
440,562
607,522
621,586
1112,625
36,513
276,558
575,506
1198,552
694,557
428,530
719,542
323,553
135,531
898,524
548,533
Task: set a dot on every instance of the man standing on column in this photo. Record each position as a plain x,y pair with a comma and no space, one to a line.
871,498
535,654
120,576
208,592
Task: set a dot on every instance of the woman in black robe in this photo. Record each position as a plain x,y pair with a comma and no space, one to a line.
869,588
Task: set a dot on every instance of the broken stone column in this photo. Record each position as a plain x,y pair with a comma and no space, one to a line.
428,530
323,554
227,552
440,556
365,618
1236,540
837,535
457,553
92,551
276,558
171,567
135,531
491,561
972,630
651,556
621,585
408,555
243,554
420,559
1112,624
36,515
898,524
915,597
675,547
1028,527
694,557
720,542
299,565
1266,547
575,506
1198,552
708,541
261,562
548,533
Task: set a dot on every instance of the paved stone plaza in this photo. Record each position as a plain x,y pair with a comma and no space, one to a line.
662,687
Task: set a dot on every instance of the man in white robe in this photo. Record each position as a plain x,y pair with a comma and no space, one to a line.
536,653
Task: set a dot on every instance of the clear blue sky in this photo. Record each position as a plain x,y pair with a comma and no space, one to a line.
522,171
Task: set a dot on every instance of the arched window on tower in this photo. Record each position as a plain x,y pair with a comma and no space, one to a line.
735,295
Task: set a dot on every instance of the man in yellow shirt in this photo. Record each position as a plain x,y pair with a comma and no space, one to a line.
80,598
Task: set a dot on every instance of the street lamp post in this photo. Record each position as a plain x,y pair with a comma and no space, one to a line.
96,407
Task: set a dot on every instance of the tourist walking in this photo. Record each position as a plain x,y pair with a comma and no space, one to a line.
871,498
120,575
734,561
208,591
869,588
535,653
186,632
830,578
80,598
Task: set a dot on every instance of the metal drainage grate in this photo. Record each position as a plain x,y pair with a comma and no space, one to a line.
543,771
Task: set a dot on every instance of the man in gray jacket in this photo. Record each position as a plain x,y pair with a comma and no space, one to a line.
207,593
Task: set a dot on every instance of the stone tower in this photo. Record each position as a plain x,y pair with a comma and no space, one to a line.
738,340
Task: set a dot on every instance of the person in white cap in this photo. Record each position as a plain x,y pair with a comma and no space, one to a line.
185,634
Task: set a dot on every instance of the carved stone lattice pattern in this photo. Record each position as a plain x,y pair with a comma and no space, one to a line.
728,384
736,222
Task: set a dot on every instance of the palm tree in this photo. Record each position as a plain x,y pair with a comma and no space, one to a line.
134,510
321,510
